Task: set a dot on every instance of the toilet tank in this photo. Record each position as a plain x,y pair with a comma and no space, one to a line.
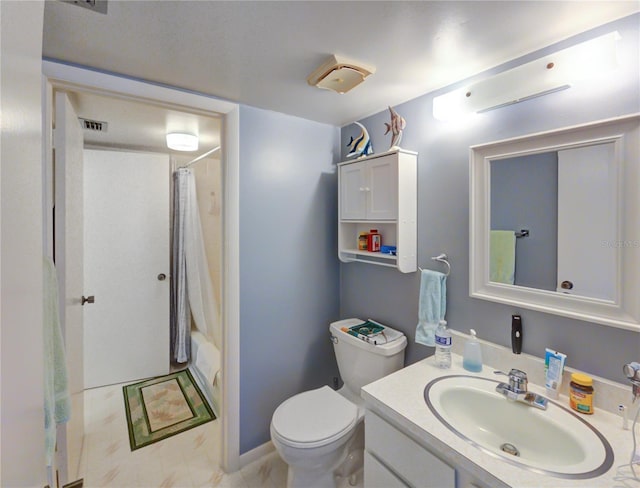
361,362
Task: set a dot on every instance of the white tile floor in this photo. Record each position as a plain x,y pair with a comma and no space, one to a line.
190,459
187,460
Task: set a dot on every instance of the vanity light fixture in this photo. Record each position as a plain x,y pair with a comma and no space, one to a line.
548,74
181,141
339,74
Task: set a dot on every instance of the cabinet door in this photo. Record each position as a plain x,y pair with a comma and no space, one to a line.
376,475
400,454
586,182
382,194
353,191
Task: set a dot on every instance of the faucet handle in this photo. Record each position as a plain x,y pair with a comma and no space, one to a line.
518,382
632,370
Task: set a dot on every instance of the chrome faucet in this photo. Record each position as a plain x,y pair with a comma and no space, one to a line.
632,371
517,389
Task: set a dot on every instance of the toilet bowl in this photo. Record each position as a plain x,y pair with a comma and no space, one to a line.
312,432
319,433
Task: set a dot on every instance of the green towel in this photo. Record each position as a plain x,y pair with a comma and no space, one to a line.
57,403
503,256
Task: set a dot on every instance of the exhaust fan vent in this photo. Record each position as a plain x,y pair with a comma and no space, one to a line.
339,74
95,5
93,125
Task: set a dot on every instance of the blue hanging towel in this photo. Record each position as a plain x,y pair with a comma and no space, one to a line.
432,305
57,400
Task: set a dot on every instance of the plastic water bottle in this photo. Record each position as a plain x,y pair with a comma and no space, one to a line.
443,346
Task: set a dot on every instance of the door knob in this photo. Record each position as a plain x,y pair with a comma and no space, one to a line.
162,277
566,285
89,299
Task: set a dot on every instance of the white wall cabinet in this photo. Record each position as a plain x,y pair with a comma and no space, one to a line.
369,189
379,192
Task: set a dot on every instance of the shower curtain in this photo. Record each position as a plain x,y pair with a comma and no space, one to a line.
191,288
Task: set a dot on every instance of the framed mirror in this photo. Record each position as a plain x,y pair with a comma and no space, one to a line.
555,222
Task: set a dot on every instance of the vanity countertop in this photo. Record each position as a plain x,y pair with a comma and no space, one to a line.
399,398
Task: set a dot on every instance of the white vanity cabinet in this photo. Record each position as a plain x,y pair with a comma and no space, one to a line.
379,192
393,459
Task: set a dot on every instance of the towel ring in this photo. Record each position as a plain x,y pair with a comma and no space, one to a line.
443,259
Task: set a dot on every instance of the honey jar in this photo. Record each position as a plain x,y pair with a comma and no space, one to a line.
581,393
363,238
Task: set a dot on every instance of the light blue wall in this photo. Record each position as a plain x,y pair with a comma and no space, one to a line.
524,195
289,283
443,215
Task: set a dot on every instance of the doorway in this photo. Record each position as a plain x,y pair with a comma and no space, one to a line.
79,81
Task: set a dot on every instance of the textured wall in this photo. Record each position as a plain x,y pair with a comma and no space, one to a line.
288,263
443,214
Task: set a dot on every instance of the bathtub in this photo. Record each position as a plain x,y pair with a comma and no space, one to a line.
205,367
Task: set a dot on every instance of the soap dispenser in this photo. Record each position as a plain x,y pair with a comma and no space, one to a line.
472,359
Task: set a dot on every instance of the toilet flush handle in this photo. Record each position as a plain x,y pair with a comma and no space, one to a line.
334,339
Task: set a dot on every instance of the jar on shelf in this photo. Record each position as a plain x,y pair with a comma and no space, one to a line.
363,241
374,241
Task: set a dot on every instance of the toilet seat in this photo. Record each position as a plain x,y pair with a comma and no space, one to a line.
314,418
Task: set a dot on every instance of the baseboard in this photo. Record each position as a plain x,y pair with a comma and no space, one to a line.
256,453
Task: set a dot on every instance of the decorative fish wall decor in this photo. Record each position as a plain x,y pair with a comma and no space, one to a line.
361,145
396,126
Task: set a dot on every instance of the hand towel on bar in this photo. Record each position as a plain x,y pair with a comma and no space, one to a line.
57,403
503,256
432,305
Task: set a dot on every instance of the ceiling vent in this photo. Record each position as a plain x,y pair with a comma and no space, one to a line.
95,5
93,125
339,74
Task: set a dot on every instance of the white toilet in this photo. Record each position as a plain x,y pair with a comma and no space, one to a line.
319,433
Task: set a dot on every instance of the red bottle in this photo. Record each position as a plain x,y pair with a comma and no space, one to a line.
373,241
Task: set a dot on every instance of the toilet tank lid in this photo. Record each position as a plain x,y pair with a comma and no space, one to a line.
387,344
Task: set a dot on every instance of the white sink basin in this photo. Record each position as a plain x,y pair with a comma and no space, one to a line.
554,441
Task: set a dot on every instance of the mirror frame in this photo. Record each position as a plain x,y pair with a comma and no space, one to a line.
622,312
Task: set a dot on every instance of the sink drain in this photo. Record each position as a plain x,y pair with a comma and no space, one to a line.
510,449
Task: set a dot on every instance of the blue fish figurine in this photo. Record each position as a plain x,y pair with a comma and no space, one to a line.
361,145
396,127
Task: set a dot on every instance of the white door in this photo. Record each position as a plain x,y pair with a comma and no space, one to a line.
353,191
126,253
383,188
587,221
68,147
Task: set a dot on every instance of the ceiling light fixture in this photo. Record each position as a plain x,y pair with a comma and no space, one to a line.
548,74
339,74
181,141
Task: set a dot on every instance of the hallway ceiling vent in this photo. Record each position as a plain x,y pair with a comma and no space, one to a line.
95,5
93,125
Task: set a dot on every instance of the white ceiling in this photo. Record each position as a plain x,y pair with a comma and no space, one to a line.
260,53
142,126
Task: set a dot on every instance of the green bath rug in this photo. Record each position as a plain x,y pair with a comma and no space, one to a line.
161,407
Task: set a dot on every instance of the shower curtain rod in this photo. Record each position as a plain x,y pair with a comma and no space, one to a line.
202,156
